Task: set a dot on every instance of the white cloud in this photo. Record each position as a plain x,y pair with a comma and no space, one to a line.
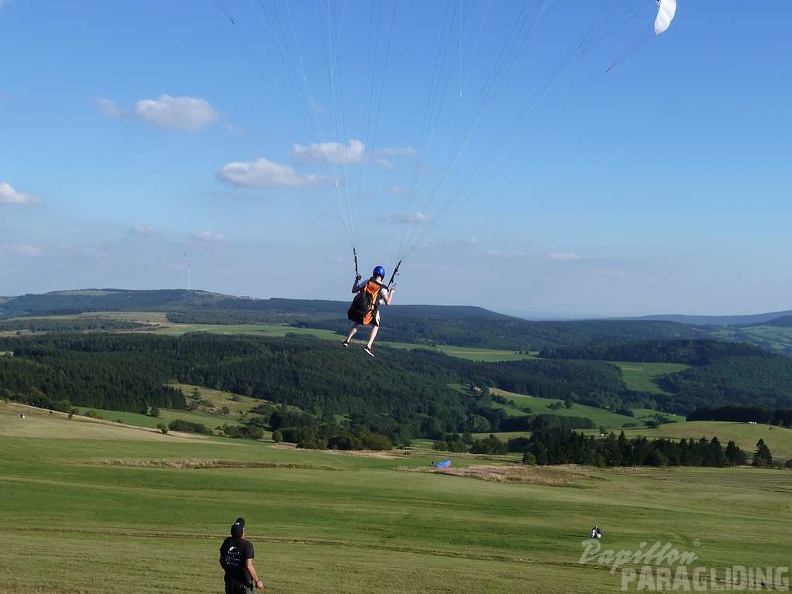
396,152
402,218
352,153
263,173
23,249
9,195
330,152
94,250
563,256
612,273
107,107
186,114
207,237
397,189
142,230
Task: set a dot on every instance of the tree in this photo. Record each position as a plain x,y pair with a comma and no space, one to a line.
163,429
762,456
155,411
715,455
611,451
734,455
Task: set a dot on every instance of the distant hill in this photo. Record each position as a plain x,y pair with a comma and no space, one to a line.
736,320
72,302
782,322
173,300
422,324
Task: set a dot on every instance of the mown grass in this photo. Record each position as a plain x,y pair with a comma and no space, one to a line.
322,522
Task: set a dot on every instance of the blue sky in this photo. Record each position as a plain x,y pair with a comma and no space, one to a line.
142,139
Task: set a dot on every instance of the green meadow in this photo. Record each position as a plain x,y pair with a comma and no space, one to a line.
206,407
94,507
601,417
474,354
778,439
640,376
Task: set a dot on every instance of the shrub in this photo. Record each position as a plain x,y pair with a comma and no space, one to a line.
189,427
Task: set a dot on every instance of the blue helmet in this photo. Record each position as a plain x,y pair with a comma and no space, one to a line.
379,271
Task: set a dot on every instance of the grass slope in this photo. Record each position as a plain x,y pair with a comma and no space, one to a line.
207,409
778,439
600,417
113,515
640,376
777,339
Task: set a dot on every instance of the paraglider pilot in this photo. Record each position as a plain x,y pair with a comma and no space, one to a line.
365,306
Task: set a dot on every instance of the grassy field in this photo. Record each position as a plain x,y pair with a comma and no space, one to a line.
474,354
97,508
776,338
236,403
159,324
778,439
601,417
639,376
207,409
270,331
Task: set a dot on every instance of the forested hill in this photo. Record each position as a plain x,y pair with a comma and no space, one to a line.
782,322
422,324
204,303
721,372
410,387
763,319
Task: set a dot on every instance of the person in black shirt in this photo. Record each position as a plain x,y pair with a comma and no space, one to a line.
236,558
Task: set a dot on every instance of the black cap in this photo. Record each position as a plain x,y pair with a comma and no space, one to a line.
240,521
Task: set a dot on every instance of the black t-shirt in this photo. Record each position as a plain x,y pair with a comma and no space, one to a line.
234,553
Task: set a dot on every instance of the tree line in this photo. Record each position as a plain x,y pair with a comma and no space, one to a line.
744,414
556,445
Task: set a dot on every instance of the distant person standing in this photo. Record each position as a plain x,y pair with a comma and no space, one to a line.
236,558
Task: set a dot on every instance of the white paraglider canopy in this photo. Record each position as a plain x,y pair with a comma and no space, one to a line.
665,14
